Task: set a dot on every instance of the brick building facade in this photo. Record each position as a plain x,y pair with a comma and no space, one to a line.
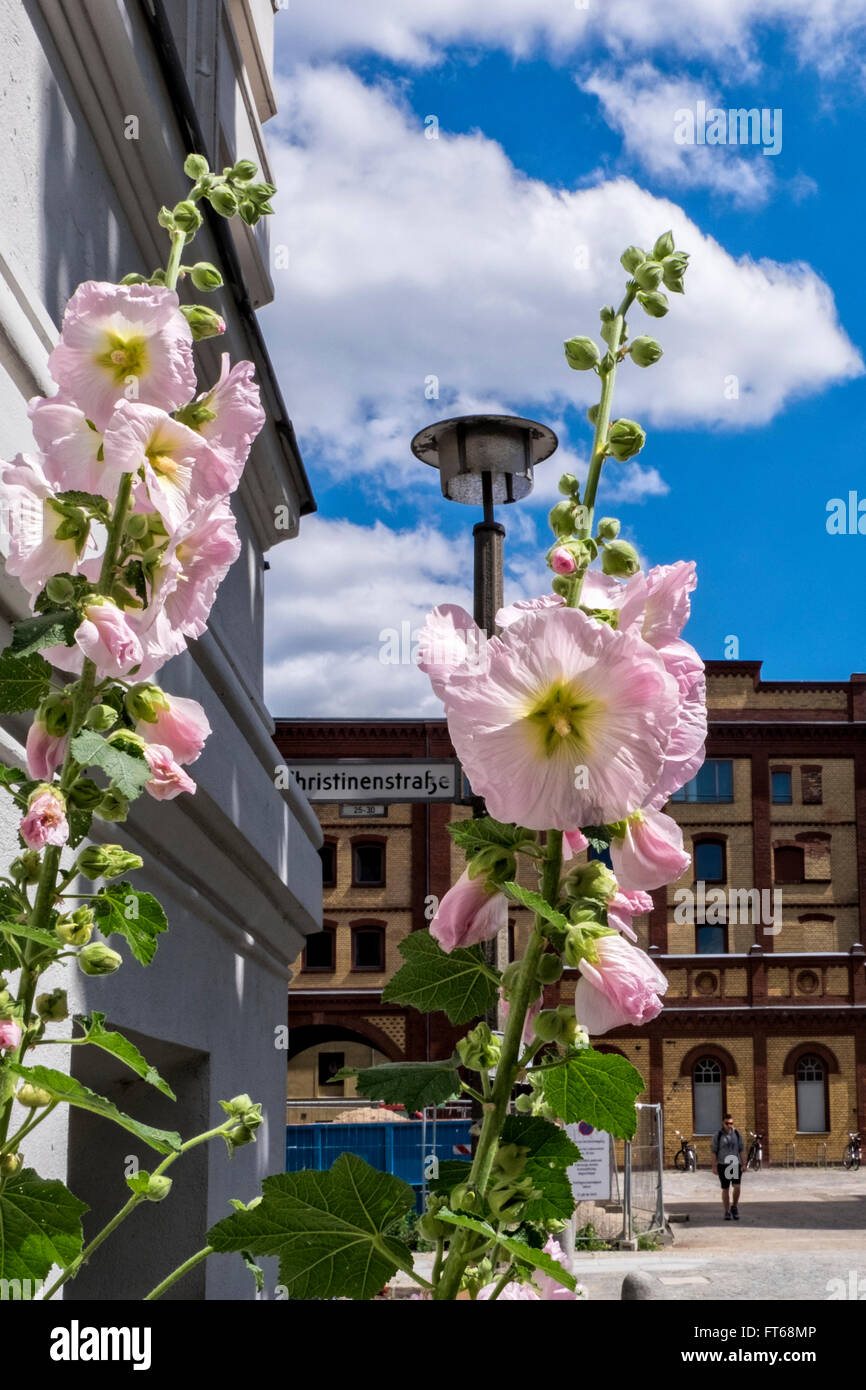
765,1014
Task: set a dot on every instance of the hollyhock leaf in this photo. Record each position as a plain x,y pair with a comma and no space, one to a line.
126,771
414,1085
45,938
536,903
45,630
121,1047
10,775
598,1087
452,1172
24,682
65,1088
538,1259
431,980
599,837
475,835
133,575
122,910
40,1226
551,1154
80,820
77,586
255,1270
329,1229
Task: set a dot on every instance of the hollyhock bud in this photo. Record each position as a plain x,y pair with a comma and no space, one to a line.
137,526
53,1007
99,959
45,820
619,558
205,276
645,352
243,171
648,275
204,322
664,246
631,258
625,438
591,880
10,1164
469,912
650,852
548,1025
563,519
112,806
549,969
608,528
106,861
569,485
187,217
10,1034
85,794
60,589
195,166
622,987
562,561
172,721
655,303
106,638
479,1050
27,867
168,778
674,268
101,717
158,1187
33,1097
77,928
223,200
582,353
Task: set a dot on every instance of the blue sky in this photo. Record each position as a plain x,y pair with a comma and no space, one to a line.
410,257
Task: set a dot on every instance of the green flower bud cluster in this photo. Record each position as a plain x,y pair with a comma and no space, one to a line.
249,1119
534,1103
101,718
475,1277
33,1097
53,1007
233,191
76,928
619,558
554,1025
479,1050
26,868
106,861
508,1199
591,880
625,439
495,863
662,265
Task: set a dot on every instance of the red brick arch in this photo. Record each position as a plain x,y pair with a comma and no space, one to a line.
718,1054
803,1050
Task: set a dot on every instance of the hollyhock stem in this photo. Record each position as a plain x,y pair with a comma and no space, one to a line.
178,241
496,1108
179,1273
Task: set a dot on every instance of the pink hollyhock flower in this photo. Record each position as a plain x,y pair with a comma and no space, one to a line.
469,913
179,469
621,988
106,638
450,640
115,337
168,779
531,1013
511,1293
550,1290
519,609
44,822
658,600
33,519
562,561
573,842
623,906
650,853
561,693
71,448
685,751
199,556
45,752
182,726
10,1034
238,414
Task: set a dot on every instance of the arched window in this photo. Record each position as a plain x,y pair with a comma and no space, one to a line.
708,1084
811,1074
368,946
789,864
710,861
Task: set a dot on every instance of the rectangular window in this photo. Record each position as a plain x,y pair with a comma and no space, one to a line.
319,951
713,783
368,948
328,856
782,794
810,785
369,865
710,941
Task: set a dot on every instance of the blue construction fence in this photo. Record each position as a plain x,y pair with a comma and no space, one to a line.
392,1148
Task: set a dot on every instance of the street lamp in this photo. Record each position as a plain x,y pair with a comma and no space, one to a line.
484,460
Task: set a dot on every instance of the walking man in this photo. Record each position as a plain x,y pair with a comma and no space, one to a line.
727,1147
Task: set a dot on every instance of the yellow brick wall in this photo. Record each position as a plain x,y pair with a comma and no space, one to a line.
837,791
303,1072
782,1099
677,1094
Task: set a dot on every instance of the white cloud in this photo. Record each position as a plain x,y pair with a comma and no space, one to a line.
413,259
642,104
826,34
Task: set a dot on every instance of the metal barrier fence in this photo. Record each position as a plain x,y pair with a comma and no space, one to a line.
643,1184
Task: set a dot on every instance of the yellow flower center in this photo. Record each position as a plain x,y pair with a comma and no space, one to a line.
564,719
123,357
163,463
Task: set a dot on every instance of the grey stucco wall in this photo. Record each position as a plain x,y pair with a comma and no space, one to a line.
235,866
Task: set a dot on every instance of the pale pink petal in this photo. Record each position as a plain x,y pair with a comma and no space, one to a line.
45,752
106,638
168,778
449,640
519,609
468,914
622,988
650,854
182,728
573,842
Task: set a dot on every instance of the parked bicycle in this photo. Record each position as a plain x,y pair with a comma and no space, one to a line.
851,1156
685,1158
756,1152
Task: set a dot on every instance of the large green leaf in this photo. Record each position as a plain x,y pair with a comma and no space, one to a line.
539,1259
537,903
45,630
45,938
122,1048
24,682
598,1087
431,980
126,771
330,1230
122,910
551,1154
65,1088
40,1226
412,1084
473,835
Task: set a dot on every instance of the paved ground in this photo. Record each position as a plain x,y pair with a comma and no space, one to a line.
799,1230
801,1235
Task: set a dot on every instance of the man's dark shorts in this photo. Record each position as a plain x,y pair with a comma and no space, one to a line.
730,1173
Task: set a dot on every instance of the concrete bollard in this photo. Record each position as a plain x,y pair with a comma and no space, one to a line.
639,1285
